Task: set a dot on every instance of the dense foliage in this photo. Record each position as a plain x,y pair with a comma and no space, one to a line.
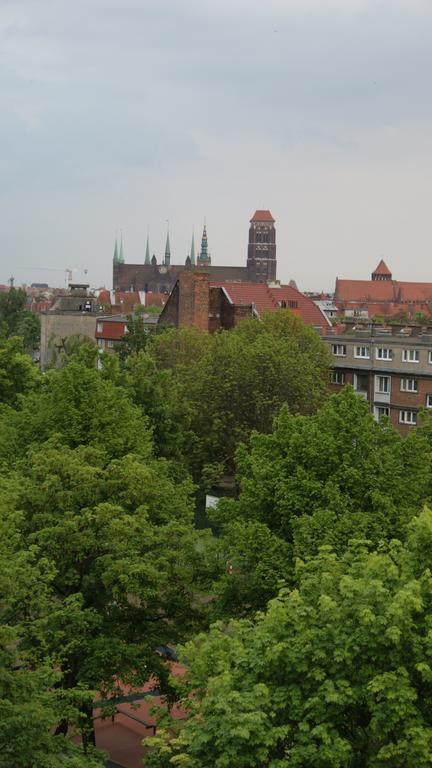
17,320
336,673
321,479
317,570
234,382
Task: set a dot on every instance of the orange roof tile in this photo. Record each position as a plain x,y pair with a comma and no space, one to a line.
262,216
127,300
265,298
382,291
382,269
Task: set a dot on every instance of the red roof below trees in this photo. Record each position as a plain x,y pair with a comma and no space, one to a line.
267,298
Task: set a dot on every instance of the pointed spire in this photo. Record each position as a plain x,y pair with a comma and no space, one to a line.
147,253
167,250
121,256
204,256
192,250
116,255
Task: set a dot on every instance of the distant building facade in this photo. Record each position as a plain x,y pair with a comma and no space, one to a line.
160,278
72,314
382,296
391,367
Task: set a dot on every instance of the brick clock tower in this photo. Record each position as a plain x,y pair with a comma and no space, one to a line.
261,259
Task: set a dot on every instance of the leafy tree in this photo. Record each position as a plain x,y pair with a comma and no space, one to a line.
337,673
327,478
155,391
17,320
236,381
12,304
83,408
118,534
136,336
29,704
77,347
18,375
28,327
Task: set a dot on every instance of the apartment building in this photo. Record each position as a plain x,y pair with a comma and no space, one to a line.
391,367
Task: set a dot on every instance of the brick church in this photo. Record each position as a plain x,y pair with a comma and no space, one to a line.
160,278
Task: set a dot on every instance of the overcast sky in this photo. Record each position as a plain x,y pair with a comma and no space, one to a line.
121,114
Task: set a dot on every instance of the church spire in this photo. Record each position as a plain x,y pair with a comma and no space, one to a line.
121,256
192,250
204,259
147,253
167,250
116,255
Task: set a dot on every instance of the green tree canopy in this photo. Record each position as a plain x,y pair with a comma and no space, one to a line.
236,381
337,673
18,375
17,320
118,534
83,408
325,478
30,706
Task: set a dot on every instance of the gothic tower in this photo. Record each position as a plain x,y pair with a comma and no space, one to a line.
204,259
261,259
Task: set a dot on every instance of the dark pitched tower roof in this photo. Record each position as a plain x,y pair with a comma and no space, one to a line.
262,216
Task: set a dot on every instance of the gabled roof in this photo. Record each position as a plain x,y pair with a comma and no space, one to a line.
382,290
264,298
262,216
382,269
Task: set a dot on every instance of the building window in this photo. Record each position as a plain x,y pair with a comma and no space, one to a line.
100,343
381,411
338,377
383,384
110,343
383,353
362,352
99,327
430,357
409,385
410,355
361,382
428,401
339,350
407,417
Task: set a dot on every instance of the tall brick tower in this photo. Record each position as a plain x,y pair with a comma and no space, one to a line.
261,259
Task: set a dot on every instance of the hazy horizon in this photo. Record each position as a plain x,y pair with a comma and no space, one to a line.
123,114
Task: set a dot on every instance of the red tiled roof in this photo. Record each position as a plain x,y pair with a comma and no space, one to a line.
127,300
262,216
155,299
382,290
265,298
382,269
111,329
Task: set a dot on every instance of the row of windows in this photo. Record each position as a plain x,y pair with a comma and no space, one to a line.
382,384
105,343
381,353
405,417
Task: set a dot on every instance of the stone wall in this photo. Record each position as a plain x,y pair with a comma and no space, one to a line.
55,327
